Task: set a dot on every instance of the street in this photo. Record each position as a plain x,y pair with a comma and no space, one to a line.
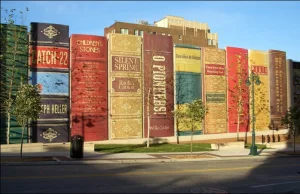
281,175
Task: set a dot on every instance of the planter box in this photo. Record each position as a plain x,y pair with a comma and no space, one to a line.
32,147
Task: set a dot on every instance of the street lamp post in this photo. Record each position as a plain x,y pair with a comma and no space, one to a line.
254,78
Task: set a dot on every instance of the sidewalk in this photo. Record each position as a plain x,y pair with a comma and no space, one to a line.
90,157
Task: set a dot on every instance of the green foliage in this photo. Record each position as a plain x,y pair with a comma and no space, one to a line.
292,120
27,104
192,115
179,114
196,112
10,16
187,89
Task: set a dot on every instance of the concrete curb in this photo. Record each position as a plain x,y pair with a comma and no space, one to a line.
128,161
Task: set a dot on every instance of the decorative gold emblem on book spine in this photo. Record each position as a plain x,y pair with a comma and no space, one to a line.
50,134
50,32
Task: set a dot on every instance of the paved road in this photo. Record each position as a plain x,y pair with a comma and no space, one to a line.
281,175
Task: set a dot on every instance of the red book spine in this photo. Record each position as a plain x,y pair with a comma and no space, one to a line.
237,90
159,81
88,89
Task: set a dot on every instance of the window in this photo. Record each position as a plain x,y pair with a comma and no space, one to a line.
124,31
209,41
214,42
180,37
141,33
136,32
154,33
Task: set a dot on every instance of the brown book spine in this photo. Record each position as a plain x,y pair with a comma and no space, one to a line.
278,86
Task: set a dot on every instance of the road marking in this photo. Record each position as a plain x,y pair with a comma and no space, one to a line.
56,159
145,173
257,186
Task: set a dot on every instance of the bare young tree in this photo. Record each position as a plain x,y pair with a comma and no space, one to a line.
184,92
158,82
291,119
238,93
13,59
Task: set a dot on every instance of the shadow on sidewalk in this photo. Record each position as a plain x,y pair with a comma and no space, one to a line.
258,175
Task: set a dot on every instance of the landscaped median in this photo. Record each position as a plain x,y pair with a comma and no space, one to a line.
164,147
171,149
259,146
154,148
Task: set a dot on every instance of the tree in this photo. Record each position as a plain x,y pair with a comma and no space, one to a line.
292,120
149,87
239,91
240,95
13,57
27,106
144,22
185,92
158,83
194,114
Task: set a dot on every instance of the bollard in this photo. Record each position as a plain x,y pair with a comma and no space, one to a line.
278,138
268,139
262,139
273,138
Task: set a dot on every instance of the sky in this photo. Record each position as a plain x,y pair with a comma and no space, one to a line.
257,25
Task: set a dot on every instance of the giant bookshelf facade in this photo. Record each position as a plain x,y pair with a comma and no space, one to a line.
105,87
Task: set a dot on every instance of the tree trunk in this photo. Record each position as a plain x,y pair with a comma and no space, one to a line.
8,127
246,140
148,119
238,127
177,132
148,131
192,141
177,124
21,153
294,141
238,119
